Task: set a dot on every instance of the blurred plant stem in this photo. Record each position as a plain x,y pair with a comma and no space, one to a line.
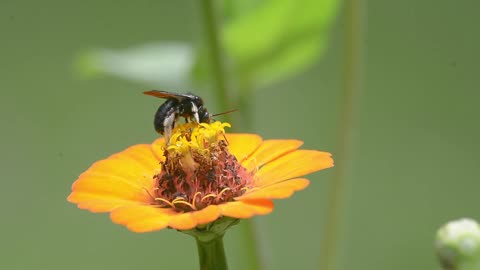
217,63
244,104
212,254
352,84
219,75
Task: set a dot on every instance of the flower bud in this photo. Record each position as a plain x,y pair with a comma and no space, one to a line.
458,245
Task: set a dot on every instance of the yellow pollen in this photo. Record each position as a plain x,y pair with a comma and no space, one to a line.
198,169
194,136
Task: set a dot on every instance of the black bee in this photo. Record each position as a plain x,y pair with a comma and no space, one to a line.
188,106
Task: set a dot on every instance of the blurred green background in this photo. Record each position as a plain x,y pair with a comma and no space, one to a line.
414,153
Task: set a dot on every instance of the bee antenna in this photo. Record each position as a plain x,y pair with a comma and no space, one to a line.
217,114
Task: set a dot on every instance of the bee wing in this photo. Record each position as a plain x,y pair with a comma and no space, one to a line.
165,94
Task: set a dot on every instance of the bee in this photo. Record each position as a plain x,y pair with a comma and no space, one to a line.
188,106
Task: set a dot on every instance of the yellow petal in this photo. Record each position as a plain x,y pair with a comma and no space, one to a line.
112,186
134,164
158,148
142,218
123,176
247,208
206,215
280,190
183,221
243,145
291,165
149,225
98,203
268,151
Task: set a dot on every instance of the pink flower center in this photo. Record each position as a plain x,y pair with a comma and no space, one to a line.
198,180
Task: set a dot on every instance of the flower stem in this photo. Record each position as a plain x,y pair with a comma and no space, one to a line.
249,227
250,244
219,72
212,254
352,77
244,102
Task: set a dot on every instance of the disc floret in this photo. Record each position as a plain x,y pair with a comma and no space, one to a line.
198,169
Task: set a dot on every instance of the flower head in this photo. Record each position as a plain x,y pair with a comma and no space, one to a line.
199,176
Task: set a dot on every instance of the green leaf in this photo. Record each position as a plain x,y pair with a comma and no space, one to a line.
234,8
162,64
288,60
278,38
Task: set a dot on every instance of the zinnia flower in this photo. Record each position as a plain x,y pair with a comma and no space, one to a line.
199,176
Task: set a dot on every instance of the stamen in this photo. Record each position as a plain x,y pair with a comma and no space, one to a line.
180,201
197,162
165,201
194,200
255,166
148,192
208,196
223,190
245,189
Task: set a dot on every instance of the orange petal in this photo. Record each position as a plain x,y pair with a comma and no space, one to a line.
280,190
247,208
132,164
183,221
142,218
158,148
98,203
243,145
125,175
111,186
206,215
291,165
268,151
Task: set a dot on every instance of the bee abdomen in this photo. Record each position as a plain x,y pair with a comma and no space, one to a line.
165,116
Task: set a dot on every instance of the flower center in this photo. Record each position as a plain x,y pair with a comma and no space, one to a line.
199,170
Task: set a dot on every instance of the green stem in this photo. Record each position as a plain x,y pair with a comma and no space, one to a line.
249,232
352,77
218,69
249,227
244,103
212,254
219,74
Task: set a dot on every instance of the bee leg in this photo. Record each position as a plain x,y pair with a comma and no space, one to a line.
168,125
195,112
166,134
225,137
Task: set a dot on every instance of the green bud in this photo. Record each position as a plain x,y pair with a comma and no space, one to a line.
458,245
